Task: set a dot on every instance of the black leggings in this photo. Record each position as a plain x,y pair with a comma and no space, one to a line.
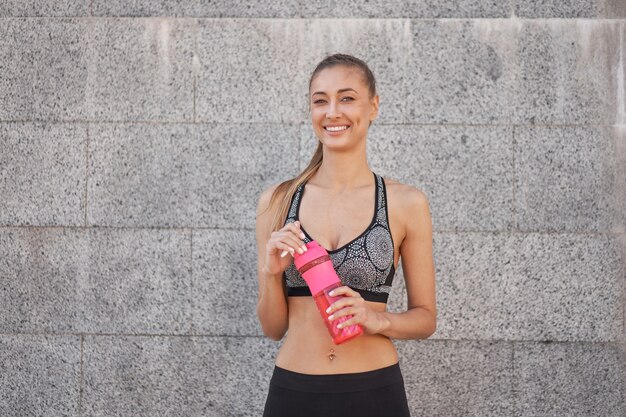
363,394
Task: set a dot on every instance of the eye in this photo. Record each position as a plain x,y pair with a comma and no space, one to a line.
347,97
318,101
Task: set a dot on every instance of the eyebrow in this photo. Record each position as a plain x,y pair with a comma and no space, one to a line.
339,91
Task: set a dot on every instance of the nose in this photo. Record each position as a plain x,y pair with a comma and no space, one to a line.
332,111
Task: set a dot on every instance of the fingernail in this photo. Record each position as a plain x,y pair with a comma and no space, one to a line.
331,293
328,310
304,248
340,325
331,317
302,236
282,255
300,250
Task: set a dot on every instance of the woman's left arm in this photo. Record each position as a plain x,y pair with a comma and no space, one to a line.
420,320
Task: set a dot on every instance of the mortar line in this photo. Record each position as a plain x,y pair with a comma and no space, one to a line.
87,173
297,123
515,219
300,134
82,377
571,20
404,71
194,66
514,390
183,228
259,336
191,284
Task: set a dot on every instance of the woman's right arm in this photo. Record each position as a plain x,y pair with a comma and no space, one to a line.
272,308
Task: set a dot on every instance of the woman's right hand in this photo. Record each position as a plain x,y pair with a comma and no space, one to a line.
290,239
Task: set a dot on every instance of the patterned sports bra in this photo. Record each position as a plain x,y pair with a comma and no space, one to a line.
365,264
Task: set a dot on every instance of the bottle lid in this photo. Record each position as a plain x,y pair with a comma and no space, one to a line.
316,267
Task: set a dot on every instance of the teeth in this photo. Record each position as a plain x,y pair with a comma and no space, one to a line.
336,128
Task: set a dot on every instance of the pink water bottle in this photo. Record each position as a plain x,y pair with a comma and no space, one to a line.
317,270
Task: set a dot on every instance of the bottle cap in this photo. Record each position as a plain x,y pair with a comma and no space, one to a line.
316,267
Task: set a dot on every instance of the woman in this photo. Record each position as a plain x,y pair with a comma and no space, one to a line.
331,202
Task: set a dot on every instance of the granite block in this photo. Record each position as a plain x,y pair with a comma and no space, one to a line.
41,271
398,302
225,282
44,8
558,379
406,9
308,144
457,9
568,288
95,280
43,174
381,43
528,287
177,376
257,64
620,126
461,71
475,276
137,281
458,378
566,179
142,174
40,375
141,69
620,138
197,8
570,8
308,9
466,172
566,72
185,175
43,69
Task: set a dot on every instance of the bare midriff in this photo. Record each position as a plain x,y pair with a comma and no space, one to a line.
309,349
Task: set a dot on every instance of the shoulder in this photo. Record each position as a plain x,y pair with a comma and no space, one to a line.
406,198
265,198
410,207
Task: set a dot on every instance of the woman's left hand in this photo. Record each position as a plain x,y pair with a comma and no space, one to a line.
371,321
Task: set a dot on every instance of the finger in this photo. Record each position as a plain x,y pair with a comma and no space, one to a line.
343,312
289,240
339,304
350,322
295,229
293,237
345,290
281,247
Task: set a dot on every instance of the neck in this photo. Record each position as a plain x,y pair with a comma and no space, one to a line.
341,171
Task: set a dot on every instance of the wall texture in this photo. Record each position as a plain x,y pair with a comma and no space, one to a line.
135,137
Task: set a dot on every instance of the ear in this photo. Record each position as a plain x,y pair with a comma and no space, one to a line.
374,112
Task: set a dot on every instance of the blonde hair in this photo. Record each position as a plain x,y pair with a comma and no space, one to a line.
286,189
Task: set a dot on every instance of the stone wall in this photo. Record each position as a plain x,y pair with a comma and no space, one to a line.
135,138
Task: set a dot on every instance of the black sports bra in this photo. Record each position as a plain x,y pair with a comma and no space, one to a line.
365,264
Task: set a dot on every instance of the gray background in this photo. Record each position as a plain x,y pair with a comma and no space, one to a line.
135,137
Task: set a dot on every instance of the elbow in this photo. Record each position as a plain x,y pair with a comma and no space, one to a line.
271,328
274,334
433,328
276,337
430,328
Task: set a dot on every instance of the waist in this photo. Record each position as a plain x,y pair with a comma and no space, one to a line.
337,383
311,351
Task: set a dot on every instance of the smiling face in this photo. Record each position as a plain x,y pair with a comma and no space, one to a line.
341,108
